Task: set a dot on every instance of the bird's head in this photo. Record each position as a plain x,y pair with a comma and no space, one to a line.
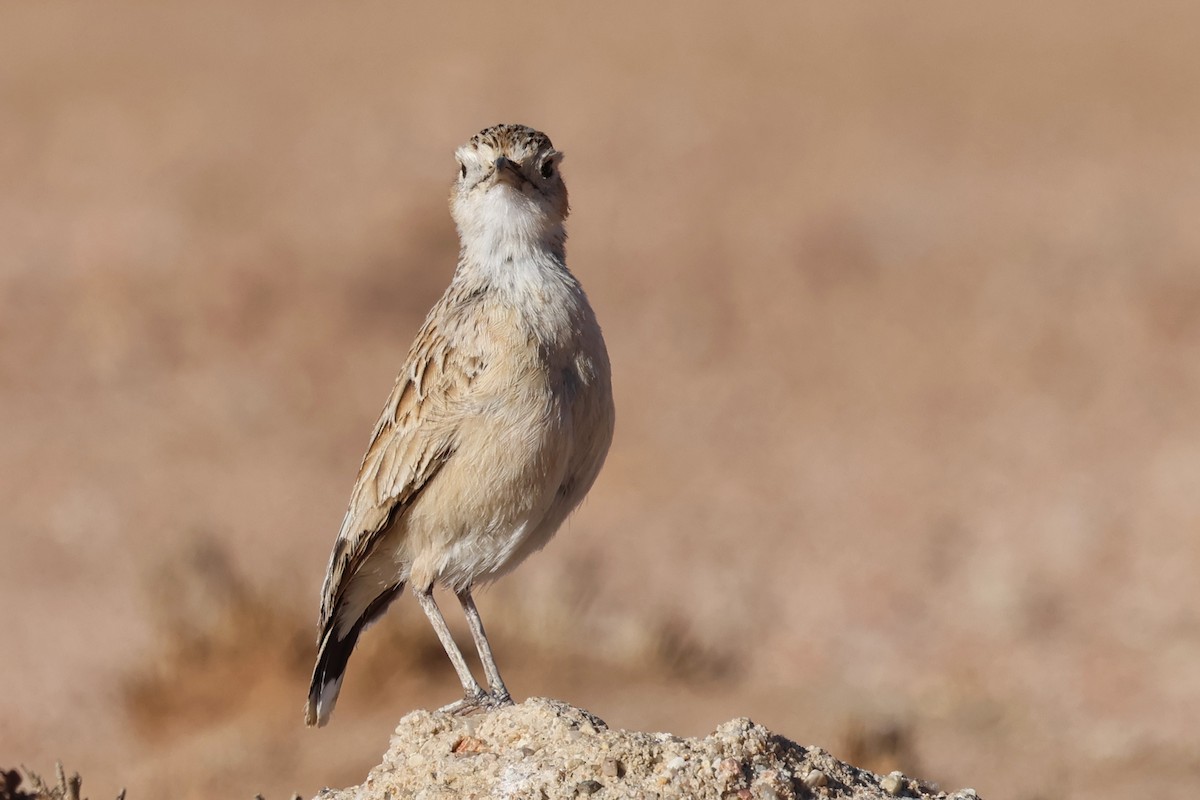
508,189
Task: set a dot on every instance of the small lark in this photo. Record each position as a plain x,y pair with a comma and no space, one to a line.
496,428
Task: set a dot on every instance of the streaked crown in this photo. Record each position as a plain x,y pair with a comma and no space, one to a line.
511,139
509,180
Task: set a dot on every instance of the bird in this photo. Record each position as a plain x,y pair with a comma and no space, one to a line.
497,426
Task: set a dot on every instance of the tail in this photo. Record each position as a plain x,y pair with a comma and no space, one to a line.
334,654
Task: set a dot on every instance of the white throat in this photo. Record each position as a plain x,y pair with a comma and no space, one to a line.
514,248
509,240
505,225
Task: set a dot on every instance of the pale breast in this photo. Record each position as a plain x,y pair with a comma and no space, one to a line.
519,462
585,388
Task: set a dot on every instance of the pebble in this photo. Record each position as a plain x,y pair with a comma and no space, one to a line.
894,784
468,746
815,778
729,769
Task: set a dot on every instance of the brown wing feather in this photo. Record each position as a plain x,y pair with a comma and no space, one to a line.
408,446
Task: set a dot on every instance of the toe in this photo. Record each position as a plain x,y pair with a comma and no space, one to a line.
468,705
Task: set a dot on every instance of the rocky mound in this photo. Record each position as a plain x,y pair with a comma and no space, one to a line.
545,749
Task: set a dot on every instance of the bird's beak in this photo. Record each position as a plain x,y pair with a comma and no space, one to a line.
509,172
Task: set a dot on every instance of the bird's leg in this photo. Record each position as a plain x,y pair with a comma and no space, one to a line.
474,694
499,693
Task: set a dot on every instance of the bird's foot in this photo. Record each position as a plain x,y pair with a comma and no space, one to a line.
474,703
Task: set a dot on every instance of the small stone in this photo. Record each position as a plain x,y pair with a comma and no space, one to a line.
815,778
586,788
677,763
729,769
894,784
611,768
468,746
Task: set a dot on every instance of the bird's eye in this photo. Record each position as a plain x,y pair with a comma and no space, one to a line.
463,169
547,168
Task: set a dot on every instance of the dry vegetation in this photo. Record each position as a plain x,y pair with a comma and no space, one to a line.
904,311
31,786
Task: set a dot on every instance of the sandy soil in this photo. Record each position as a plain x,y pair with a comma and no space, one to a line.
904,309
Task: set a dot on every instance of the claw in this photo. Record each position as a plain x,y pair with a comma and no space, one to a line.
475,703
467,705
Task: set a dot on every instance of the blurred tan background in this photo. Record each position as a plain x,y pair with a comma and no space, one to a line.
903,302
